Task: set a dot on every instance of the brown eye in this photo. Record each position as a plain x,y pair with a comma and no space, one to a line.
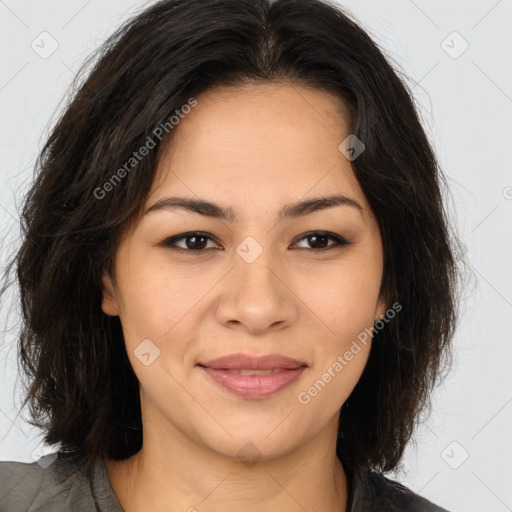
318,240
194,242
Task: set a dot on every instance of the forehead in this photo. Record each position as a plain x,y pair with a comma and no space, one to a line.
251,104
320,101
264,133
255,152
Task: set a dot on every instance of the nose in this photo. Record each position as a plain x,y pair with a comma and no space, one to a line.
256,297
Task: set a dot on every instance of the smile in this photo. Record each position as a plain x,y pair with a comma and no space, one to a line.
254,384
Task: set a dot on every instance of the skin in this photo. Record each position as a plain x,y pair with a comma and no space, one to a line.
252,148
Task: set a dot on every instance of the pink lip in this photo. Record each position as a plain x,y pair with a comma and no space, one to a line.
254,386
246,361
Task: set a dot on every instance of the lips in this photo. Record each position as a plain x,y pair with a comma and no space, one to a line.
254,377
253,372
248,362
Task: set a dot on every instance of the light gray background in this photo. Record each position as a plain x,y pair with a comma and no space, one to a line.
466,106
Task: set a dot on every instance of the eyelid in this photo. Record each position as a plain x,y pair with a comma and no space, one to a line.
170,242
339,241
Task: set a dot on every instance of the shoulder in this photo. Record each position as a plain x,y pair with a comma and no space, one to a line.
19,485
374,492
53,483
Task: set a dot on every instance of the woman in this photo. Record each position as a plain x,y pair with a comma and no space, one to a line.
238,286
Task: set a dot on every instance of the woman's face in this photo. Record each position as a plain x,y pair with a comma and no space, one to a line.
259,285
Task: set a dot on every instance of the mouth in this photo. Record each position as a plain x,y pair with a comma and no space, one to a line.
248,371
254,377
241,361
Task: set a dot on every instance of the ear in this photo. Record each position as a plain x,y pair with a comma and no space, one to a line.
382,306
109,303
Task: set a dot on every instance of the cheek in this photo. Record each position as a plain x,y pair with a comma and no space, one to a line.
346,297
159,306
345,301
153,298
339,364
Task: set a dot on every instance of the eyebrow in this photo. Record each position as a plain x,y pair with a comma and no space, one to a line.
216,211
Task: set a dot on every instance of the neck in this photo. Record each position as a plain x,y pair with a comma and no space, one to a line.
173,472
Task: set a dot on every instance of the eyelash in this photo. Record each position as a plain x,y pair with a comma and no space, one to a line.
169,243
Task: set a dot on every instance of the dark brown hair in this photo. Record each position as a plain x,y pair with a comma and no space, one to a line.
80,387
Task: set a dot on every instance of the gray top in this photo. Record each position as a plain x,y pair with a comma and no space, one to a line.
57,484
